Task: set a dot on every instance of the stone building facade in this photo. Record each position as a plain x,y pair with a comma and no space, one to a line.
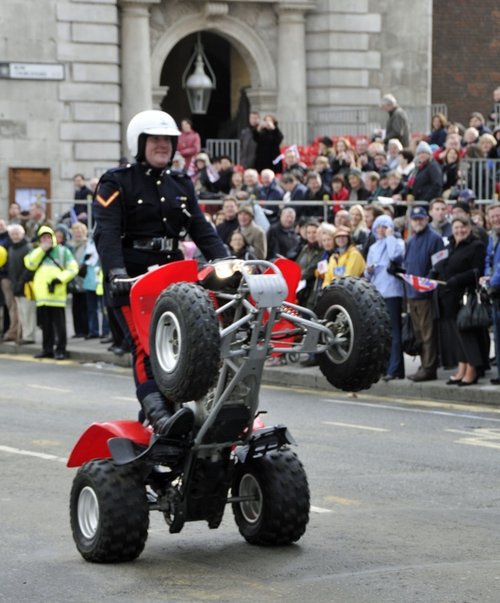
298,59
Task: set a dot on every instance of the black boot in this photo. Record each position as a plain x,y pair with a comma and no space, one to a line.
163,421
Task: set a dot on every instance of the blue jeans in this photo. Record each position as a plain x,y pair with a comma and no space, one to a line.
93,313
396,364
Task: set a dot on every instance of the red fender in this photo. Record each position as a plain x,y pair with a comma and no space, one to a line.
291,273
146,290
93,443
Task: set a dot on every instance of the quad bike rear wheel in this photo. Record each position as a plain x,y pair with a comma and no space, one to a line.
109,512
358,318
276,506
184,342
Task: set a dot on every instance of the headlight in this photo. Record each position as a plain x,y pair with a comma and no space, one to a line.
227,268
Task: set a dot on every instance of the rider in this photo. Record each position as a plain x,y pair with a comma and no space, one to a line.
142,211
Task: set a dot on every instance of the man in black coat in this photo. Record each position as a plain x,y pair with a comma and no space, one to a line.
282,239
19,276
230,223
398,125
248,146
142,211
295,191
82,193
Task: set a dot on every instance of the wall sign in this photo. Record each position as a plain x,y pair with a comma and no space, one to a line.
32,71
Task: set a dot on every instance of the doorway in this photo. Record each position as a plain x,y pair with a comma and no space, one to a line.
222,119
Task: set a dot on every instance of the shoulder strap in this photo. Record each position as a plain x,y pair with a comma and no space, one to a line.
47,255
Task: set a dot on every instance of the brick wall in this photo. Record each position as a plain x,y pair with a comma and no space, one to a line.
466,52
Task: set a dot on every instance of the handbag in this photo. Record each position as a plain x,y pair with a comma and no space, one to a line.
473,313
408,339
75,285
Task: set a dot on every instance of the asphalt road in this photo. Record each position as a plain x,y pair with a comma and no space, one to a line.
405,502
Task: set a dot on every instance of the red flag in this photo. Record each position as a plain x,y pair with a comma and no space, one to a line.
420,283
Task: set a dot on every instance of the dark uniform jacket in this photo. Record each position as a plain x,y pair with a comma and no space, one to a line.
135,204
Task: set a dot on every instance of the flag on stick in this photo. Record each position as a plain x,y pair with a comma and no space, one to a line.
420,283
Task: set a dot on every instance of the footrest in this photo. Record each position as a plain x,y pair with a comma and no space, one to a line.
124,450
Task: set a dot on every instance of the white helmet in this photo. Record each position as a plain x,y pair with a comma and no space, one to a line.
149,122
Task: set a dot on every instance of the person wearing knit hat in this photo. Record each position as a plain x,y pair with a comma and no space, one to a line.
63,234
253,233
345,260
246,207
423,147
426,182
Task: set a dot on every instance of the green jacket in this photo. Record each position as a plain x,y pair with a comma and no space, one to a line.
57,263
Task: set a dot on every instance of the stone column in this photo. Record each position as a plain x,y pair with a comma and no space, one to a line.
158,94
292,84
262,100
135,59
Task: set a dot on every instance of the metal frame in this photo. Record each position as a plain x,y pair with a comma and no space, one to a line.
247,342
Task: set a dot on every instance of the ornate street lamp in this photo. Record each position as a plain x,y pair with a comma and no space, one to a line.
198,85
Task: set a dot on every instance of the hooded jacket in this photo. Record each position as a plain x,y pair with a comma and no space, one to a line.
348,262
57,263
380,255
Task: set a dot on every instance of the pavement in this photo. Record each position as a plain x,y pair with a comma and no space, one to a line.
293,375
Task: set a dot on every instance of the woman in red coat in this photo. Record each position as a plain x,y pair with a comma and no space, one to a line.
189,143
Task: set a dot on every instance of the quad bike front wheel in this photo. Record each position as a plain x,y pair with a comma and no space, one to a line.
184,342
109,512
274,509
357,316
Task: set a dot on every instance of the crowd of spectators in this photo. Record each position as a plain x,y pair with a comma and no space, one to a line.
355,207
42,262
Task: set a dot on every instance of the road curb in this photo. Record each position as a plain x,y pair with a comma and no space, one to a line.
311,378
77,354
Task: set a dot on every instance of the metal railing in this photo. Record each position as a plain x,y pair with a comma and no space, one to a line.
59,210
60,207
359,121
296,132
224,146
496,115
347,121
482,176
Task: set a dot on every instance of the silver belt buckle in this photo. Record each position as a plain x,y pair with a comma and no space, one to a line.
166,244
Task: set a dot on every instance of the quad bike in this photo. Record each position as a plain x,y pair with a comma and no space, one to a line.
208,335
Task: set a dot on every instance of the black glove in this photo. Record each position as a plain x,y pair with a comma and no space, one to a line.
116,285
52,285
395,268
83,270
